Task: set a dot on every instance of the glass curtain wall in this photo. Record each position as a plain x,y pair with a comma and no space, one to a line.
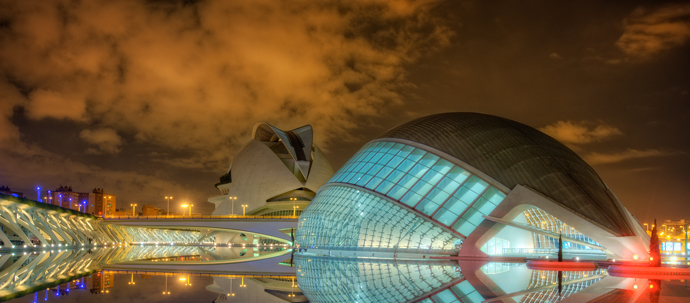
322,279
345,218
422,181
540,219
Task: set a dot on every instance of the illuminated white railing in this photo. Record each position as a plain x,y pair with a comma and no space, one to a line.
128,217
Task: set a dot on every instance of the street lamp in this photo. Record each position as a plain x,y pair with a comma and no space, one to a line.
166,292
188,280
133,207
132,281
190,207
168,199
232,293
244,207
294,209
292,288
233,199
242,284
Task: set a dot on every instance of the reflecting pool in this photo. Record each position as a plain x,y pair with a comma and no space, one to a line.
267,274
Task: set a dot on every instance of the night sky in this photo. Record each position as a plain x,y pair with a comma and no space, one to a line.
152,98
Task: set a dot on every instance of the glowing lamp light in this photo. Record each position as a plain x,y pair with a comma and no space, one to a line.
634,257
651,286
635,286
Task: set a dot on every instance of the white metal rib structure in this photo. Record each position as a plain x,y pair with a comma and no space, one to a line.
31,271
26,222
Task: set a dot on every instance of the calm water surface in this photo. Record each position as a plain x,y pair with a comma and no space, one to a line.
266,275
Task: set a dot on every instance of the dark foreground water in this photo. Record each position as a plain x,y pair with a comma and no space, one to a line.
266,275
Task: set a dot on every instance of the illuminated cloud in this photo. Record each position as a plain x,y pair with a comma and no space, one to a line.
53,104
195,77
106,140
595,158
647,33
573,133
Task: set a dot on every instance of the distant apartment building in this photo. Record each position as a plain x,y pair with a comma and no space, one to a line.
104,204
6,190
100,282
65,197
97,202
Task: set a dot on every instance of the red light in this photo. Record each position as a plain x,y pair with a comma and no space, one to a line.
651,286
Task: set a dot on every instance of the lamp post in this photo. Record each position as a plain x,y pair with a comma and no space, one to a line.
244,208
166,292
294,209
132,281
233,199
133,207
168,199
292,288
242,284
190,207
38,190
188,280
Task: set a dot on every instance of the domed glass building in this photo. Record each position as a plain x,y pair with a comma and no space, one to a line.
471,185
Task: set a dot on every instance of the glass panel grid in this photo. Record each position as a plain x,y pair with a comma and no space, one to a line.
344,218
421,180
371,280
541,278
542,220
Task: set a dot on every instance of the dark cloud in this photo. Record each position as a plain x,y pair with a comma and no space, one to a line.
105,139
648,32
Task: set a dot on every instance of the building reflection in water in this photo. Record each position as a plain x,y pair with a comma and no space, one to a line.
22,274
70,273
282,287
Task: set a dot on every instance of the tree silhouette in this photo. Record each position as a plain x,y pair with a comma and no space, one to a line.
654,253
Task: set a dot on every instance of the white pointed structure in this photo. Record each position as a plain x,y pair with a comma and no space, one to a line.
276,173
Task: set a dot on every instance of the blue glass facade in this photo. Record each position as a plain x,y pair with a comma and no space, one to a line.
422,181
324,279
346,218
